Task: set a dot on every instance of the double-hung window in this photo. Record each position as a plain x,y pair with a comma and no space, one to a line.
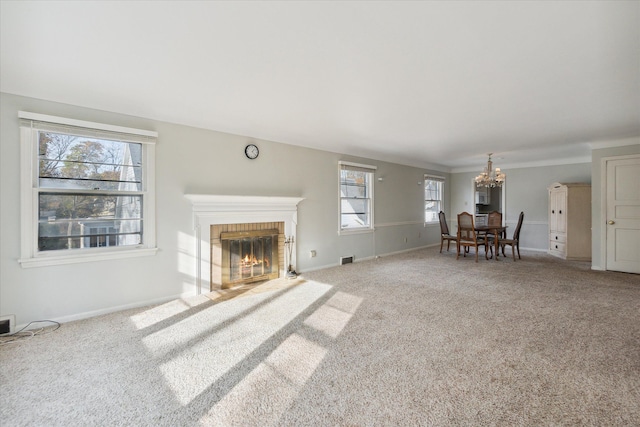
87,191
356,197
433,197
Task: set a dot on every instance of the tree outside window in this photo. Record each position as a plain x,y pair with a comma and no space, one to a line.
87,191
69,217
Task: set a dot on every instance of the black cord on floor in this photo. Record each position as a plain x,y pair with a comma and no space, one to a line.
23,333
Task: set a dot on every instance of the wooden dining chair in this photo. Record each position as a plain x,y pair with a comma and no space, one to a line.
494,218
467,236
444,232
514,242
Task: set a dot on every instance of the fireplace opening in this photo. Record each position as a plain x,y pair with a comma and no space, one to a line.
249,256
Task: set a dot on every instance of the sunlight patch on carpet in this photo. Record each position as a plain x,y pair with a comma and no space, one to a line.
270,388
268,391
165,311
333,316
223,335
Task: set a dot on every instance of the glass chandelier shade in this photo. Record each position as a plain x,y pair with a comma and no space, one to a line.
490,177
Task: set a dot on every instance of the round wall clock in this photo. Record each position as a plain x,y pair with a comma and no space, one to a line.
251,151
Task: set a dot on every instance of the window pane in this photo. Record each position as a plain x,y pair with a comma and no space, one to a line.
432,190
354,221
431,211
74,234
69,161
348,176
69,221
55,206
355,213
432,199
349,190
355,198
357,206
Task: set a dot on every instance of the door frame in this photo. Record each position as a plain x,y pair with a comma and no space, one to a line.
603,204
503,199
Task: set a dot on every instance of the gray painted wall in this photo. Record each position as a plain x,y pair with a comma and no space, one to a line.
198,161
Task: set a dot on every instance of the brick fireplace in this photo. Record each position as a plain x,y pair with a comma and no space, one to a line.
245,253
214,215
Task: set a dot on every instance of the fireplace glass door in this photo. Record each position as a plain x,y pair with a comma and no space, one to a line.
249,256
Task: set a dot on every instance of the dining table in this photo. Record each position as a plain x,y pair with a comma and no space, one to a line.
496,230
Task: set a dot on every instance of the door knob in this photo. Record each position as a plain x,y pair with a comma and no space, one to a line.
611,222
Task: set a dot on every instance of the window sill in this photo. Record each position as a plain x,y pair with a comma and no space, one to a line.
46,261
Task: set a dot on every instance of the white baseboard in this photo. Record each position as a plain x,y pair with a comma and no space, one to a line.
94,313
369,258
534,249
409,250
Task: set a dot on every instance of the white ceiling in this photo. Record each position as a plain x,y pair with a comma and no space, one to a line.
418,83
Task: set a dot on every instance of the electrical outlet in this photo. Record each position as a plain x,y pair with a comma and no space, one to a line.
11,318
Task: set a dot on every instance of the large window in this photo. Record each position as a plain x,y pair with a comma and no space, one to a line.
356,197
87,189
433,197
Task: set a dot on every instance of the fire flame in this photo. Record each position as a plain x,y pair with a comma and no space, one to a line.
250,261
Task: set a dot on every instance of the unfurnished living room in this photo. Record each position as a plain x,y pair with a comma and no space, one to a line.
355,213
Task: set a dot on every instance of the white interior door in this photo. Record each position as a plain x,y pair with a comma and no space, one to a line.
623,215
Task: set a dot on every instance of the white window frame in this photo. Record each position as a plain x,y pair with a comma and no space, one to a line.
370,188
30,125
434,178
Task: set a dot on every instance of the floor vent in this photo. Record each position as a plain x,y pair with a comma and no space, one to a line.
346,260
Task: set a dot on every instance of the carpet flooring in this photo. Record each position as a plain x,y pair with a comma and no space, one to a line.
410,339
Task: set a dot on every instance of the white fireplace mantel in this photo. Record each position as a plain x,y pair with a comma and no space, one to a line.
211,209
219,203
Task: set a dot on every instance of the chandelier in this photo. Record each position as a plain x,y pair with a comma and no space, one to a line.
490,177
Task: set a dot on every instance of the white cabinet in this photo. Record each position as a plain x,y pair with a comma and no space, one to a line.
570,220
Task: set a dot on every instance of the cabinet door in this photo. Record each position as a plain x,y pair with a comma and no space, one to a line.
553,211
561,212
557,211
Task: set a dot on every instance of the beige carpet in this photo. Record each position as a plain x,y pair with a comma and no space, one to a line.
412,339
252,289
